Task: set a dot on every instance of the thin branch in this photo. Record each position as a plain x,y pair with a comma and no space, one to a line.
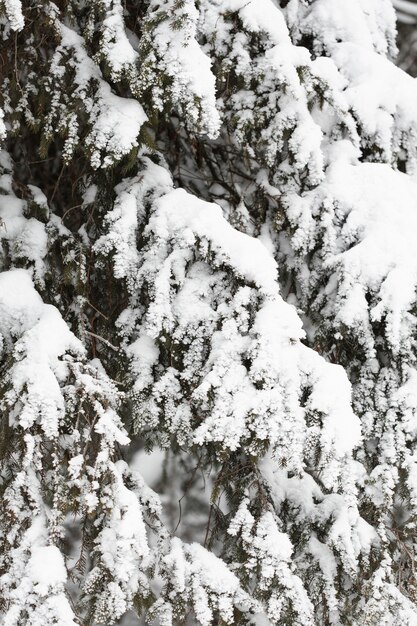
103,340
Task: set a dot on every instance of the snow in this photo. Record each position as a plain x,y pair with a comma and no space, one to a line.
242,372
210,361
261,16
381,97
13,9
44,338
278,68
39,596
179,210
115,44
38,394
347,535
2,126
122,544
364,216
246,403
117,121
383,258
199,577
176,53
20,304
369,244
46,568
213,572
272,550
369,24
27,238
107,426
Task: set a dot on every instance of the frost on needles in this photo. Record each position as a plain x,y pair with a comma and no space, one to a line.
207,218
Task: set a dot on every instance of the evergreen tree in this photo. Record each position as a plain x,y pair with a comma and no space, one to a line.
183,187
